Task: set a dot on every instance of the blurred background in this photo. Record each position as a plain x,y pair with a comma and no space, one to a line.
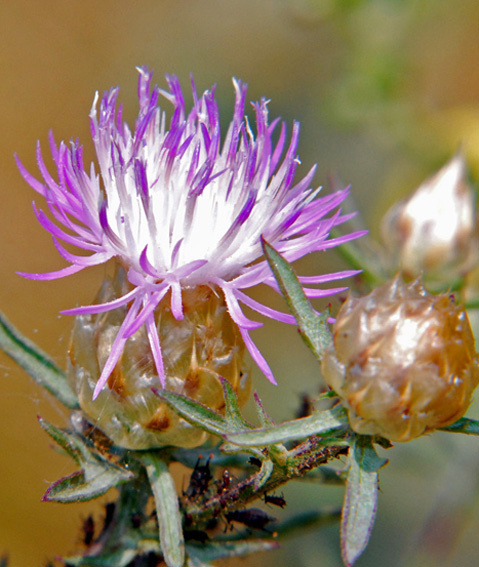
385,90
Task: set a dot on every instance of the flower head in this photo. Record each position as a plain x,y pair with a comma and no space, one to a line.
434,231
403,361
178,208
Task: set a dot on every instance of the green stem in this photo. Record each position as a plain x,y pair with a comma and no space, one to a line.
308,455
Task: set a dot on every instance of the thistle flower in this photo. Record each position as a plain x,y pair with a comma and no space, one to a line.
403,361
178,209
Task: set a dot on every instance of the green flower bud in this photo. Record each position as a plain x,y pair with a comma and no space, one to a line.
197,351
403,362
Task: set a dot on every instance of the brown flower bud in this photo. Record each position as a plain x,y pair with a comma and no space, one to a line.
197,350
403,361
434,231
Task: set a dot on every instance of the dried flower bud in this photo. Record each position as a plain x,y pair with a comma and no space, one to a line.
197,350
434,231
403,361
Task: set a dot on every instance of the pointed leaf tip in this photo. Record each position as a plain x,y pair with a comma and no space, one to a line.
167,509
312,326
36,363
360,501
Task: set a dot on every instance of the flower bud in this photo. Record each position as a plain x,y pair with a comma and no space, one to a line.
403,361
197,351
434,231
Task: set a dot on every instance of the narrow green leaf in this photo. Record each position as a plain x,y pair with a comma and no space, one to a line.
222,550
233,416
264,418
194,412
320,423
360,502
67,441
167,509
463,425
36,363
76,488
313,327
87,484
97,474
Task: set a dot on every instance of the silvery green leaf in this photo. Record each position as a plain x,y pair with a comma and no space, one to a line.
97,474
167,509
67,441
324,423
36,363
77,488
463,425
313,327
194,412
360,502
264,418
233,416
213,551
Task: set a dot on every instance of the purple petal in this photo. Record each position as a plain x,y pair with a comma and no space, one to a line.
176,301
156,348
325,278
116,349
149,307
267,311
52,275
103,307
236,313
257,356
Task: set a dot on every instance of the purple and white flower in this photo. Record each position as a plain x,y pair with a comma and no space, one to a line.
178,208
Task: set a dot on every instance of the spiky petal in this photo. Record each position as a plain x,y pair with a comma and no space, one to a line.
178,208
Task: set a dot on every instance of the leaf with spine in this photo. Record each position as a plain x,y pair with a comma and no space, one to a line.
97,474
212,551
264,418
360,501
194,412
167,509
463,425
322,423
214,423
206,419
234,419
36,363
313,327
